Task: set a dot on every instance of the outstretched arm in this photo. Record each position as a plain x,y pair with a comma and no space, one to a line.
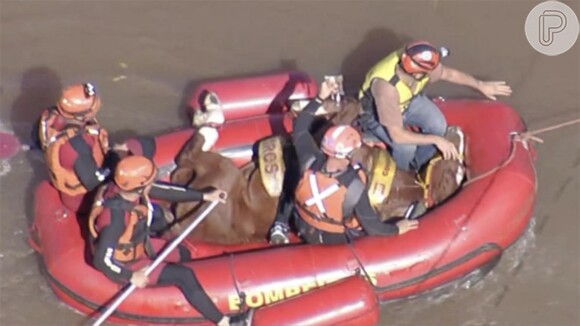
174,193
373,226
488,88
304,144
370,221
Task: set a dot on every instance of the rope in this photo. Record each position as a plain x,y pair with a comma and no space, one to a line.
554,127
360,263
241,294
524,138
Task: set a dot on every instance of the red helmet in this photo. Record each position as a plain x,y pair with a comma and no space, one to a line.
79,102
420,57
341,141
134,172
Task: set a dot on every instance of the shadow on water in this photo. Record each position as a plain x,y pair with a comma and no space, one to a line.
377,44
40,88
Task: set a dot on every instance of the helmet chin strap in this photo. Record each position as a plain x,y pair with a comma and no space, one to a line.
342,163
132,195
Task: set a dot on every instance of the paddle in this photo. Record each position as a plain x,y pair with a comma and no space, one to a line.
156,262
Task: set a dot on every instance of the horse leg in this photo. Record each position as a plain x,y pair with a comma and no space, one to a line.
206,134
191,150
405,193
217,171
444,177
391,191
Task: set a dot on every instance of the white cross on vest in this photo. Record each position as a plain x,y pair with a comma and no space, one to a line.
317,196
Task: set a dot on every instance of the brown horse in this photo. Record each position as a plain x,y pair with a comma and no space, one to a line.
250,209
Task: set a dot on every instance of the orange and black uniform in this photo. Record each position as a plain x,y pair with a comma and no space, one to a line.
49,125
353,216
122,244
76,159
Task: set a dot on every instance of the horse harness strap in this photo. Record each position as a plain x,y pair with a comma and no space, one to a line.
382,176
425,181
271,165
394,80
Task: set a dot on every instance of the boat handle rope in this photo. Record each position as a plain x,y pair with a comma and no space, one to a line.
524,138
241,294
362,266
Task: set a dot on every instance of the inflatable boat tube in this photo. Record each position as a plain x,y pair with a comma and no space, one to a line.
468,232
253,96
358,306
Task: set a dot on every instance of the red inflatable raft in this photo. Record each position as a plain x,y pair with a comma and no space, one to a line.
466,234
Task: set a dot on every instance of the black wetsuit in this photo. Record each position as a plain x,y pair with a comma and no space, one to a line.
111,223
310,157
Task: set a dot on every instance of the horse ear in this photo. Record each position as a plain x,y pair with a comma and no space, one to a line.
182,176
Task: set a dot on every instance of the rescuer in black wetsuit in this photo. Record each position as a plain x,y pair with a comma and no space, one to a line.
330,200
120,224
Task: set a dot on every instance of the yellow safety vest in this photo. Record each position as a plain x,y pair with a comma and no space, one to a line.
385,69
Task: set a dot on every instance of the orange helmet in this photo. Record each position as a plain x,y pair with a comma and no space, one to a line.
134,172
420,57
341,141
79,102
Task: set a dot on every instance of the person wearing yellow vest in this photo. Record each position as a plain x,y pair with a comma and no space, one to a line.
392,100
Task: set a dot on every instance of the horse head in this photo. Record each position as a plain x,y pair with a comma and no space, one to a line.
344,112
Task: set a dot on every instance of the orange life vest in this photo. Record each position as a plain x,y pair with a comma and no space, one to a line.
319,201
65,180
49,129
133,243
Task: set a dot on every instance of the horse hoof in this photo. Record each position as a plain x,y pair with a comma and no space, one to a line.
199,118
279,235
215,117
211,101
456,136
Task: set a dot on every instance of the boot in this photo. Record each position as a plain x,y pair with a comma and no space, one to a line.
279,234
211,102
212,113
242,319
455,135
